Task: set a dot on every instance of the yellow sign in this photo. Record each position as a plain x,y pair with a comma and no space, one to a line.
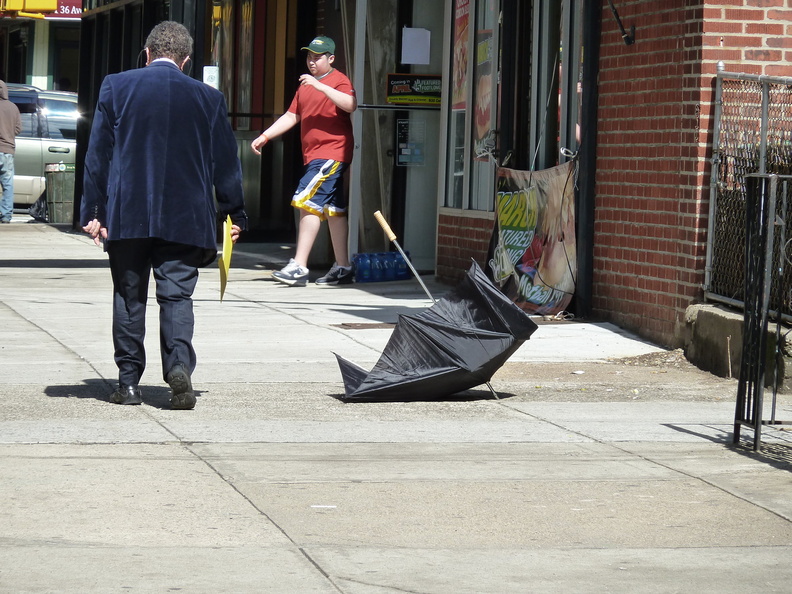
40,5
224,261
27,8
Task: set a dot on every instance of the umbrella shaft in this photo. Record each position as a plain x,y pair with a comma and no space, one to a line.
415,272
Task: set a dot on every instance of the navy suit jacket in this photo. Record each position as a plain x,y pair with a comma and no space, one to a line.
161,151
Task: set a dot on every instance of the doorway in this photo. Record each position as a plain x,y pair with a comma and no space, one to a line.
397,124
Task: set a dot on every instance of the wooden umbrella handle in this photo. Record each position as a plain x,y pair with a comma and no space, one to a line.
385,227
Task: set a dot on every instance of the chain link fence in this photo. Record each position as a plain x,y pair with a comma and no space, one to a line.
752,134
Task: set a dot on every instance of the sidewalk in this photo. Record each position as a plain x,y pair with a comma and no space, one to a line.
591,473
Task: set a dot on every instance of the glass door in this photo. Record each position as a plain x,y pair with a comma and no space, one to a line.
397,125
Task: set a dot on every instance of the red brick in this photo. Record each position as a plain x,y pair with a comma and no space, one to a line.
778,70
745,14
764,3
765,28
779,15
763,55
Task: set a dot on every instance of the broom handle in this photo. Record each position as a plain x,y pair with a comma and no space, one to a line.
392,236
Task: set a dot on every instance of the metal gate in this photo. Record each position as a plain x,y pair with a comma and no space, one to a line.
752,134
766,196
750,210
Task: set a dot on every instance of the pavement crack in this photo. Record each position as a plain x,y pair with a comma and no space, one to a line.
389,588
62,344
548,421
263,514
702,479
650,460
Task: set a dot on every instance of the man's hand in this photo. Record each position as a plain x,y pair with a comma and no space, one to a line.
96,231
235,231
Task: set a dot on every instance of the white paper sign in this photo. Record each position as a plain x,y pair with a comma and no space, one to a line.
415,45
211,76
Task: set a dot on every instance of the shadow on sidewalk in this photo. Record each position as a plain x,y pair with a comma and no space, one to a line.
473,395
98,389
54,263
778,455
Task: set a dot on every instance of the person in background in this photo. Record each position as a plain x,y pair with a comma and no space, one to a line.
322,106
10,127
161,150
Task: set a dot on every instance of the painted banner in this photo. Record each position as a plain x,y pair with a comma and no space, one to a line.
459,59
533,253
482,123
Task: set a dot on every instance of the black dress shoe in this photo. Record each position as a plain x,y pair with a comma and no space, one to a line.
178,379
126,395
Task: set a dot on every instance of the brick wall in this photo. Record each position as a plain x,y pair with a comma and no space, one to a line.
461,236
749,36
654,143
650,210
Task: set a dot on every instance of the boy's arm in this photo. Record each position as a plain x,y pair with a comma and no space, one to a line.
283,124
340,99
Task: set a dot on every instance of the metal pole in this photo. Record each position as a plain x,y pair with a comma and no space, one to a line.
358,82
763,127
768,206
714,176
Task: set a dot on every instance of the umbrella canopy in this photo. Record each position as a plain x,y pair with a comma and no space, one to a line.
457,344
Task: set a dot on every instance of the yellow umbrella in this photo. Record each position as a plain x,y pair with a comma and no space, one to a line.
224,261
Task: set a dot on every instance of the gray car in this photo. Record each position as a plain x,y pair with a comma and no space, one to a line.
49,135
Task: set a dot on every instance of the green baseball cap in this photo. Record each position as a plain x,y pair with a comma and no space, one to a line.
321,45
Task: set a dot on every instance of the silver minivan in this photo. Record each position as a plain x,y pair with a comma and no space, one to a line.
49,135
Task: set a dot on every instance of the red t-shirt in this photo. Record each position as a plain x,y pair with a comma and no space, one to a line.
325,130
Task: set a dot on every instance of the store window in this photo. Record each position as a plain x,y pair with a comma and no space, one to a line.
514,92
473,112
232,42
65,42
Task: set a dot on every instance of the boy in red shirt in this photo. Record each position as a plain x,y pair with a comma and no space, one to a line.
322,106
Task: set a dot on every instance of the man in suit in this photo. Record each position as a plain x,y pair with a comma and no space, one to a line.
161,151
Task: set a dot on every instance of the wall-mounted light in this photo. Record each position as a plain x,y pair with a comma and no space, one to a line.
628,39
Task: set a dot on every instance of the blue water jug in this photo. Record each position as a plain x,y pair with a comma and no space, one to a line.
377,269
362,268
402,271
389,266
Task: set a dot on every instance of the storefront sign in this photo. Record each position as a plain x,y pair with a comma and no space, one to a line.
533,256
414,89
411,141
67,9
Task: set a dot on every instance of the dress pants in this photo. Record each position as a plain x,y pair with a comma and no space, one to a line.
175,267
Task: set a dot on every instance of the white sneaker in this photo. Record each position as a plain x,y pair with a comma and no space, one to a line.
292,274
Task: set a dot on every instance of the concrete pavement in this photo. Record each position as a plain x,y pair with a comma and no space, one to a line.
592,473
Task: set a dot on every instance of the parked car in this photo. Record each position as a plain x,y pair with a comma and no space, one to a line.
49,135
